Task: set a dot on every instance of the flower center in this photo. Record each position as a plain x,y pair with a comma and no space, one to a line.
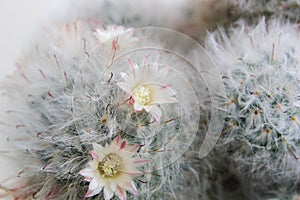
110,166
142,95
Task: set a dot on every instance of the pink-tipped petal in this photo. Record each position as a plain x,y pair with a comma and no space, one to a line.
84,172
94,155
88,179
88,194
122,193
123,145
91,193
135,148
118,139
133,189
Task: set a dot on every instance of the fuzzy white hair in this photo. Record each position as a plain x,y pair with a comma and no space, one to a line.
260,67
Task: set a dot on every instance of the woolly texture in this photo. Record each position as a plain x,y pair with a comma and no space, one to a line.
64,98
251,10
260,67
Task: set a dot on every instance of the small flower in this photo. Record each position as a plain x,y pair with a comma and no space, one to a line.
112,169
147,89
117,35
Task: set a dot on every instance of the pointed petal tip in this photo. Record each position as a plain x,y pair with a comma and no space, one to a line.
88,194
118,139
94,155
87,179
123,145
122,193
135,148
134,190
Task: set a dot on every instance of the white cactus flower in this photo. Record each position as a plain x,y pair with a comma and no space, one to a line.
112,169
147,88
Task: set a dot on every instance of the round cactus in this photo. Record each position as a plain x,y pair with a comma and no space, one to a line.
101,112
260,67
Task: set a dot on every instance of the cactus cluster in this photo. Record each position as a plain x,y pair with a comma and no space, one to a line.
103,111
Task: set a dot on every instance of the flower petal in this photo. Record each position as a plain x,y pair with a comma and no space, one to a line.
93,184
123,145
124,86
87,172
108,193
91,193
94,155
117,139
97,147
88,179
93,164
113,186
137,106
120,184
99,151
121,193
133,189
135,148
156,112
130,171
162,94
165,99
141,162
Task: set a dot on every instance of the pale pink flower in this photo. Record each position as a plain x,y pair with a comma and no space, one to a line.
117,35
147,88
112,169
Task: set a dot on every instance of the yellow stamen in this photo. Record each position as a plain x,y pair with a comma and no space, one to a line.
142,95
110,166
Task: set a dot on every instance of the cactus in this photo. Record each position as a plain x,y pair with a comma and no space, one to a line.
260,69
83,89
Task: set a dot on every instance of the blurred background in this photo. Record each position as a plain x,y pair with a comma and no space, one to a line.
19,20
